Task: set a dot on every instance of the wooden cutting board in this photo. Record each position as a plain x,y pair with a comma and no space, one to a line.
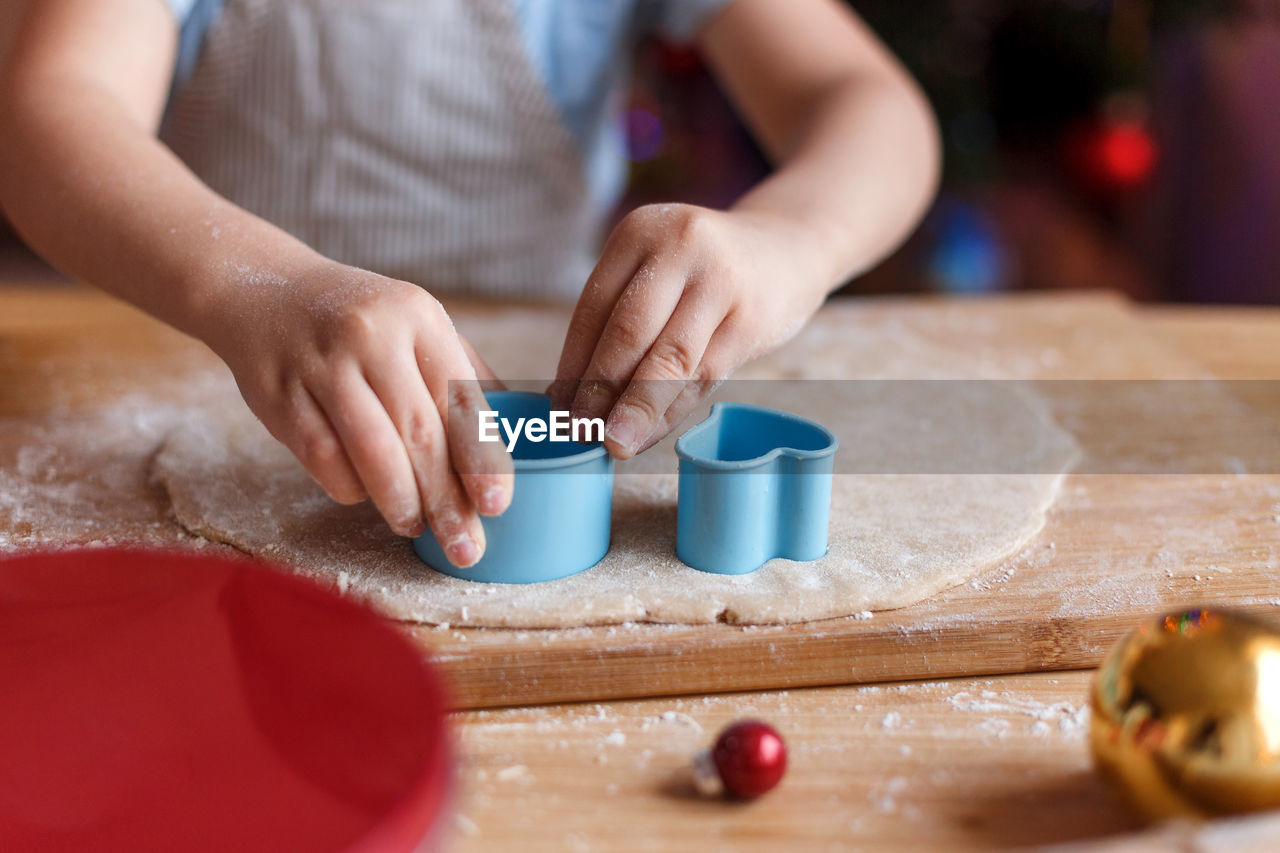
1115,548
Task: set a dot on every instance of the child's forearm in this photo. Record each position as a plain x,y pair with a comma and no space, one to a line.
87,184
858,179
856,141
97,195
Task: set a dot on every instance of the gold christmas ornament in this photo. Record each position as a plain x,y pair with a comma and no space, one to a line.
1186,714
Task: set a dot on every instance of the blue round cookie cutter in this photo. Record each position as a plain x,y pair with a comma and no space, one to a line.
558,521
755,484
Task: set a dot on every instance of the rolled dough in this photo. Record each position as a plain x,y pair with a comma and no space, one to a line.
895,538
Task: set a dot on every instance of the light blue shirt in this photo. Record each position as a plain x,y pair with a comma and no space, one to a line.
579,48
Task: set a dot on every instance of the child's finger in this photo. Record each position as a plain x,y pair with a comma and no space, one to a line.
617,266
717,363
638,317
375,448
484,468
489,380
451,516
313,440
449,512
659,378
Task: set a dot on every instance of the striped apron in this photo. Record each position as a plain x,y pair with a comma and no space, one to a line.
412,138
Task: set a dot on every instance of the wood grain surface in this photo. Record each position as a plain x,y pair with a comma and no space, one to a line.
1114,549
965,763
962,763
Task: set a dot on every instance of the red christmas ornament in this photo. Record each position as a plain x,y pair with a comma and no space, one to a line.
748,759
1112,157
1126,154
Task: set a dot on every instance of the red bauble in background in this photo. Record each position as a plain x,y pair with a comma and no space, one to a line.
1112,156
1125,154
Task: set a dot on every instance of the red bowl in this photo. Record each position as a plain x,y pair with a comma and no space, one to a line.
178,701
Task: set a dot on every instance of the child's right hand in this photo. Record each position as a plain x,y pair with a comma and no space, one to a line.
359,375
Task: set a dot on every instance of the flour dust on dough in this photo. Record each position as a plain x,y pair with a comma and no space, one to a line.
895,538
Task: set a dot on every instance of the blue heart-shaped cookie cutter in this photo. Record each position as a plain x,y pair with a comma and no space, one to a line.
755,484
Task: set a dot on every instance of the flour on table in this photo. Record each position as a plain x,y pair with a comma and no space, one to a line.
895,538
77,475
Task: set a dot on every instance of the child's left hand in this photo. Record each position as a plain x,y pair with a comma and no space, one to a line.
681,297
684,295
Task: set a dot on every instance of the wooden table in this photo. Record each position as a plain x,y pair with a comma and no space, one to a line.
962,762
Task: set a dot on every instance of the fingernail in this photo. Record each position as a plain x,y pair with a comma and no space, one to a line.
622,435
623,431
463,551
494,500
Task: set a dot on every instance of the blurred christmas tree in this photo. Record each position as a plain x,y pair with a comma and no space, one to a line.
1046,118
1023,72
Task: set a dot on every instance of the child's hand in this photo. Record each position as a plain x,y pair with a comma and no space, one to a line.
681,297
358,376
